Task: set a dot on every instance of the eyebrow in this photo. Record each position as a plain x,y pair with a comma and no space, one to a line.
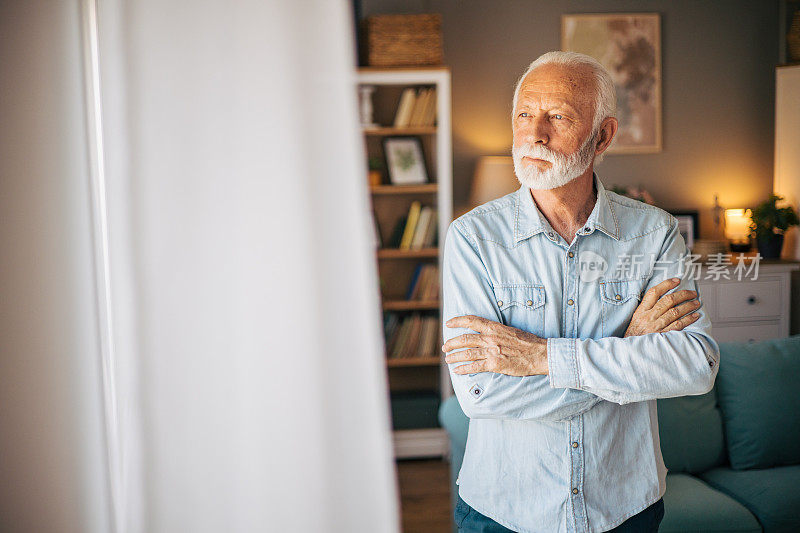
560,105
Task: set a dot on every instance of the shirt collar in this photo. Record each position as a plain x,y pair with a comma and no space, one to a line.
529,221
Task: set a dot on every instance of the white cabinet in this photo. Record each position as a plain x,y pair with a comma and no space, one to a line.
749,309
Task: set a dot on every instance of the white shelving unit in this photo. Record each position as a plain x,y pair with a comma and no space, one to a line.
427,442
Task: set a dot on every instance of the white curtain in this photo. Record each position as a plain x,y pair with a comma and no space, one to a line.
229,374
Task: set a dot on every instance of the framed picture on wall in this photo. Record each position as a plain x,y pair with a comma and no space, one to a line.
629,46
405,160
688,226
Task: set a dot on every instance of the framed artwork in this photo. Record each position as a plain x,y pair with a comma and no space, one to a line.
405,160
688,226
629,46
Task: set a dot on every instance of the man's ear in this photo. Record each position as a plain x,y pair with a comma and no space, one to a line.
608,128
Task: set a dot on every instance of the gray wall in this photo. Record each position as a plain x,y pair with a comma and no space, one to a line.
718,60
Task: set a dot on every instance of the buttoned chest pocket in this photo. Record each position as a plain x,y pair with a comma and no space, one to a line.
522,306
619,299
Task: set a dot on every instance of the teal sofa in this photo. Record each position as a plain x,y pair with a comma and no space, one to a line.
733,454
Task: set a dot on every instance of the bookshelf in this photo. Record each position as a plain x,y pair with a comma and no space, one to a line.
418,380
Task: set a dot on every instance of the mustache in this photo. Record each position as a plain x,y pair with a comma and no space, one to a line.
537,151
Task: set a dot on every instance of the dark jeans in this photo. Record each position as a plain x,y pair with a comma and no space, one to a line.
469,520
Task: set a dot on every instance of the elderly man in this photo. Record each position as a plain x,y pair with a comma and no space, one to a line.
566,317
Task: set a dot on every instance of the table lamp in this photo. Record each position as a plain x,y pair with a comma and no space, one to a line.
494,177
737,229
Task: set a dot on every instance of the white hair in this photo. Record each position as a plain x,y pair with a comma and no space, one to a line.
605,98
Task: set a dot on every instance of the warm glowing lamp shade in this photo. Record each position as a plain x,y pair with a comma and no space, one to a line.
737,226
494,177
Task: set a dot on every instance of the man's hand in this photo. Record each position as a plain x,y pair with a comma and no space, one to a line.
506,350
495,348
658,313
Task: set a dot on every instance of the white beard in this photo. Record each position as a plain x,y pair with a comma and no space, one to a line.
563,168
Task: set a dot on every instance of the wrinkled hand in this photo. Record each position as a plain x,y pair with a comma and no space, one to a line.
658,313
495,348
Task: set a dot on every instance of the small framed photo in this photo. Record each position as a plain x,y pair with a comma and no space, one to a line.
688,226
405,160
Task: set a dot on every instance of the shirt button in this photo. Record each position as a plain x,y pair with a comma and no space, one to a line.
500,303
618,297
571,254
570,301
574,444
529,303
711,363
575,490
550,234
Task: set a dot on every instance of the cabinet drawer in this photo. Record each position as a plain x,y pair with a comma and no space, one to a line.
749,299
746,332
707,293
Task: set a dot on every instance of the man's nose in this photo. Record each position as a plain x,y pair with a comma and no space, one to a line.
538,132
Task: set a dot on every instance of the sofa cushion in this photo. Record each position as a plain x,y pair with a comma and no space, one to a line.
692,505
771,494
759,396
690,430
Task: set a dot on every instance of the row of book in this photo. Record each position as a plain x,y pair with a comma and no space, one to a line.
424,283
417,107
415,230
413,335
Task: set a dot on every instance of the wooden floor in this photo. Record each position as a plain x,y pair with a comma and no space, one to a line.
425,495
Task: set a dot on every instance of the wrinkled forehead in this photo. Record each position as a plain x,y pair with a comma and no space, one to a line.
558,84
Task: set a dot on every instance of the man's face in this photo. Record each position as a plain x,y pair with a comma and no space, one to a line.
552,126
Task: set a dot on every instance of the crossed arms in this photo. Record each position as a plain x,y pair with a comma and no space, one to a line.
509,373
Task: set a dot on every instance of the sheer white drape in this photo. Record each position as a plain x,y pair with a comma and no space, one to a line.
250,391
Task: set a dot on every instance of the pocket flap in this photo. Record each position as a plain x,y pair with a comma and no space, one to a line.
619,291
523,296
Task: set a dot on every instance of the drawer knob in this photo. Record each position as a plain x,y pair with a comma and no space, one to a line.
751,300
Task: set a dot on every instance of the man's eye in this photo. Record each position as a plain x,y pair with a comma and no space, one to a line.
524,114
557,117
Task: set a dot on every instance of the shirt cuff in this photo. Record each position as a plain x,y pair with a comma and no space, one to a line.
562,363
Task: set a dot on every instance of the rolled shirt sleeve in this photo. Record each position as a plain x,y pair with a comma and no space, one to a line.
467,290
644,367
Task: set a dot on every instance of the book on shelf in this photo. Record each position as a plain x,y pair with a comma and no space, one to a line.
376,231
422,228
431,235
415,230
415,336
424,283
397,233
414,279
417,108
411,224
404,108
390,323
423,109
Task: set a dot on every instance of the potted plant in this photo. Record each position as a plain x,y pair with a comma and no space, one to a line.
769,223
375,170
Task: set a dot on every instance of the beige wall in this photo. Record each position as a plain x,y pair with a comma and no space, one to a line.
718,62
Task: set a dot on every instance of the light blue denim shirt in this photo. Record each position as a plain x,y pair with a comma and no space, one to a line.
576,450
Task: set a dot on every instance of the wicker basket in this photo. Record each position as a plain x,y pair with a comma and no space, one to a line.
401,40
